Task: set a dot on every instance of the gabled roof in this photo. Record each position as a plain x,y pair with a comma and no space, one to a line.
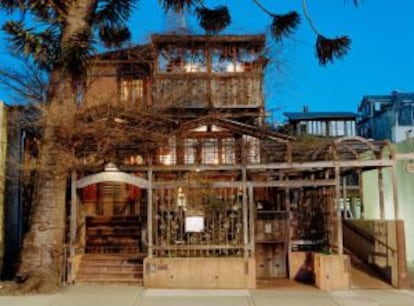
235,126
319,115
391,98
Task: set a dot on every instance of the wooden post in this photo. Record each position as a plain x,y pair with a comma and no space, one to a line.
353,208
252,220
338,210
381,192
288,217
149,213
73,216
361,194
395,191
245,215
345,198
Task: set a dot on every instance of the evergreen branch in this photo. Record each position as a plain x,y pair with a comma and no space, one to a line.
213,20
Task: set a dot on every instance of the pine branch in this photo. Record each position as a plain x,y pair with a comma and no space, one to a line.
327,49
282,24
213,20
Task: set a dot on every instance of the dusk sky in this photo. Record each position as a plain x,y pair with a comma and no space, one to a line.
381,58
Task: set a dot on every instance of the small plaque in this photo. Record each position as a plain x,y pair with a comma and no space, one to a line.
410,167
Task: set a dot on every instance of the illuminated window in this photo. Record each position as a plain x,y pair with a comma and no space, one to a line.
168,153
228,155
190,151
210,153
252,146
132,91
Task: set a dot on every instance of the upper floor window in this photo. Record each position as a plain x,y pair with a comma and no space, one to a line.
182,60
225,59
405,115
168,154
131,91
377,106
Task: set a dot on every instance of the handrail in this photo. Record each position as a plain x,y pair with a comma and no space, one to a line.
367,236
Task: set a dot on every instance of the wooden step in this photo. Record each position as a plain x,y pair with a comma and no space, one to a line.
110,250
112,282
113,269
113,220
111,230
90,269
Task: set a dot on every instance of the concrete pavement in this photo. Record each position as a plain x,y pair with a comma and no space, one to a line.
132,296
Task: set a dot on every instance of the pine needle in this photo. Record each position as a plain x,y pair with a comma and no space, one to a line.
327,50
213,20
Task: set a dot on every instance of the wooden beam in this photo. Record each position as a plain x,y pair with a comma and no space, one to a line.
288,219
245,214
404,156
345,197
236,184
149,214
381,193
252,219
268,166
361,194
395,192
338,210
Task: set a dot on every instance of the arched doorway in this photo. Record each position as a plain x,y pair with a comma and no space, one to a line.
108,228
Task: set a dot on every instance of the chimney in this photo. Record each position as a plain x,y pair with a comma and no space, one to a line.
176,22
306,109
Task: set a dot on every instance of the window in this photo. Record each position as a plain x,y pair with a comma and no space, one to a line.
210,152
377,106
132,91
168,153
221,62
228,155
176,59
190,151
405,115
252,146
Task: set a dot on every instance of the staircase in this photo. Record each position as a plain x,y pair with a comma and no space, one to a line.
112,252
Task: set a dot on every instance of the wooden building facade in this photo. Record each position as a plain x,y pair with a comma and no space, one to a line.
178,182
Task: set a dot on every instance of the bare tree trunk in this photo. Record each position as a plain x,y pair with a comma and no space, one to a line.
42,263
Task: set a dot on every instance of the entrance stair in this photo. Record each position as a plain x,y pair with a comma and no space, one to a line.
112,252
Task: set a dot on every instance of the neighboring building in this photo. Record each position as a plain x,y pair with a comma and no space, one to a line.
325,124
404,172
387,116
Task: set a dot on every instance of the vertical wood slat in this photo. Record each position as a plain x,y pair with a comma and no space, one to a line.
381,193
361,194
403,281
345,197
395,191
338,210
252,220
245,214
149,214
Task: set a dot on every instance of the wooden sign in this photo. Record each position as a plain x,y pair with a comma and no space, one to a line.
410,167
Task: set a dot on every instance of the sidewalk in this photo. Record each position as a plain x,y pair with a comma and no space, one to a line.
132,296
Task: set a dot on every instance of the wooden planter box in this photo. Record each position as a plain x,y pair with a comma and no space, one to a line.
327,272
332,271
200,273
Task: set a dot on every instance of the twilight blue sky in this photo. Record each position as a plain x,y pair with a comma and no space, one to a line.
381,58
